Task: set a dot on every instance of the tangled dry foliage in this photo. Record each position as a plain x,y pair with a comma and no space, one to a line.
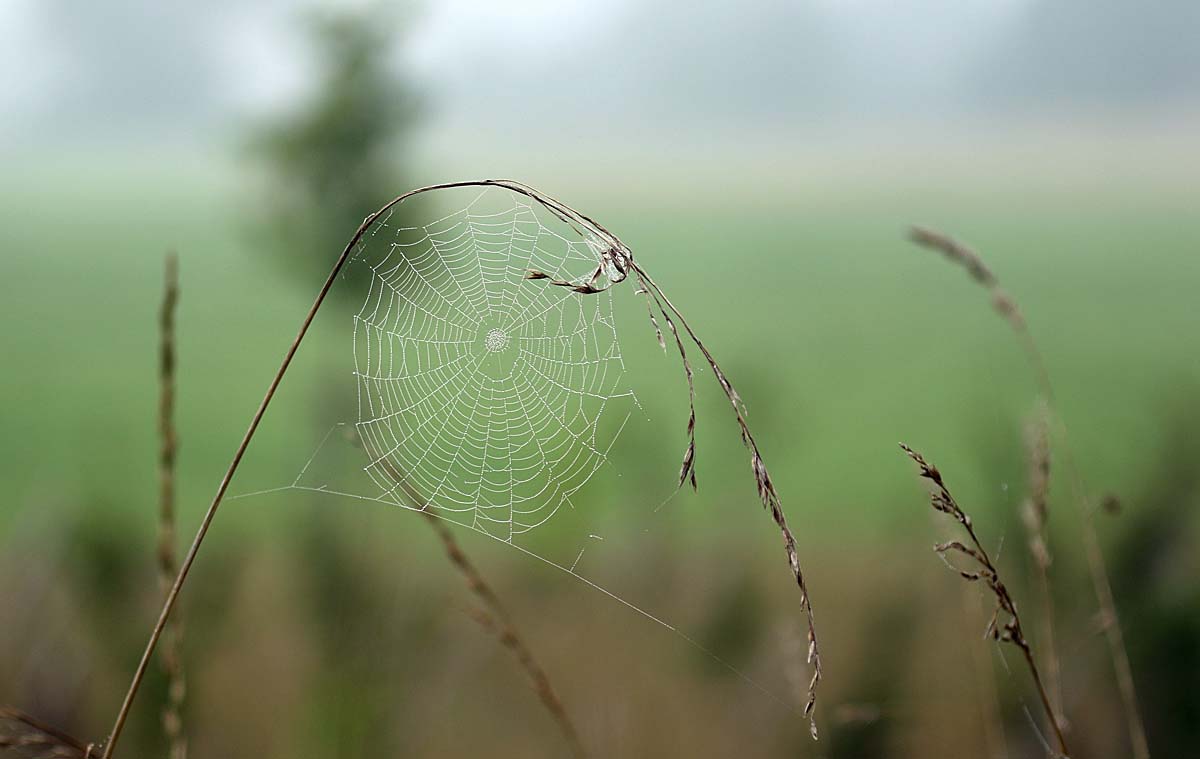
1005,623
1007,308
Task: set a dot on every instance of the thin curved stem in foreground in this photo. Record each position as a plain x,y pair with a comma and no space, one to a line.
620,259
190,558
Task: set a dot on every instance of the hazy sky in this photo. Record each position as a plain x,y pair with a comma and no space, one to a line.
74,69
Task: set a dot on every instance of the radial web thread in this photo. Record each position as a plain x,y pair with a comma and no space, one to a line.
483,391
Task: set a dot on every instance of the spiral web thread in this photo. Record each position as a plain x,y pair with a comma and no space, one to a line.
485,390
492,397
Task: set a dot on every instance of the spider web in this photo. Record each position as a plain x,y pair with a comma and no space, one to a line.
477,389
481,396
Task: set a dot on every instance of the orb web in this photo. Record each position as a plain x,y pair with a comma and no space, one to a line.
490,395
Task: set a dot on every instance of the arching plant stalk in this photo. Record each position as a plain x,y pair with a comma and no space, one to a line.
205,523
616,263
766,486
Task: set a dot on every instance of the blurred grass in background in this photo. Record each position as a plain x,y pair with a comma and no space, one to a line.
325,629
842,337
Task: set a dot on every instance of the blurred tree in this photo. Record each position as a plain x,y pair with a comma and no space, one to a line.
336,157
329,163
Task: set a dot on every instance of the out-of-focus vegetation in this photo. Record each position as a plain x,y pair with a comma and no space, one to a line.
882,342
338,153
319,627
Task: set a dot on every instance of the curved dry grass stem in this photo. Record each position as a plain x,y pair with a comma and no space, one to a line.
618,260
171,656
565,213
1005,624
1097,566
766,487
189,559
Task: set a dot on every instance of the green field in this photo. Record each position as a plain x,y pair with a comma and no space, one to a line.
843,337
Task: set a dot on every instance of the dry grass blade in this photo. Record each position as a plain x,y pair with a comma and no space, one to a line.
494,618
687,468
762,478
1005,624
617,261
170,655
28,737
1097,567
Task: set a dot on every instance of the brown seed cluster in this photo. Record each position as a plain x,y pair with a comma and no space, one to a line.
1005,623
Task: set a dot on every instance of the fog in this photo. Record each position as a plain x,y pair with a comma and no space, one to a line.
131,71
